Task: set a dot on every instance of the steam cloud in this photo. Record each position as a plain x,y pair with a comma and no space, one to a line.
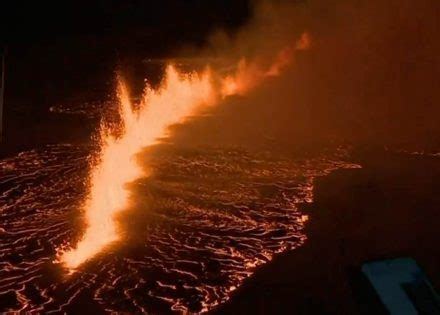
370,77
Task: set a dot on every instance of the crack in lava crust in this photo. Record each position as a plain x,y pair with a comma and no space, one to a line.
202,223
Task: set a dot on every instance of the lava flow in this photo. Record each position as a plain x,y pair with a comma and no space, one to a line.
179,96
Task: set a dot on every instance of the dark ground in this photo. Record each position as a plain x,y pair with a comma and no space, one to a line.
387,209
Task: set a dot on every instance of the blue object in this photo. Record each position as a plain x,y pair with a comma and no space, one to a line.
402,286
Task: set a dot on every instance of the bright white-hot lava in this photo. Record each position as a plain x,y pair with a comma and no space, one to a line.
179,96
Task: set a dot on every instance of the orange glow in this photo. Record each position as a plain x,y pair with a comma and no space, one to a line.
178,97
251,74
304,42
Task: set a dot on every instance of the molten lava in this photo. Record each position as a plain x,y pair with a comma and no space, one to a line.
178,97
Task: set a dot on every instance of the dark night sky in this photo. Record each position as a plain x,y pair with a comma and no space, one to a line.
373,72
34,21
57,49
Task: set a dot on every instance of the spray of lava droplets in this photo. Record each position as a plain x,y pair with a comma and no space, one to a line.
179,96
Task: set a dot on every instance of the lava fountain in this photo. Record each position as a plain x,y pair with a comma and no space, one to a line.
178,97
